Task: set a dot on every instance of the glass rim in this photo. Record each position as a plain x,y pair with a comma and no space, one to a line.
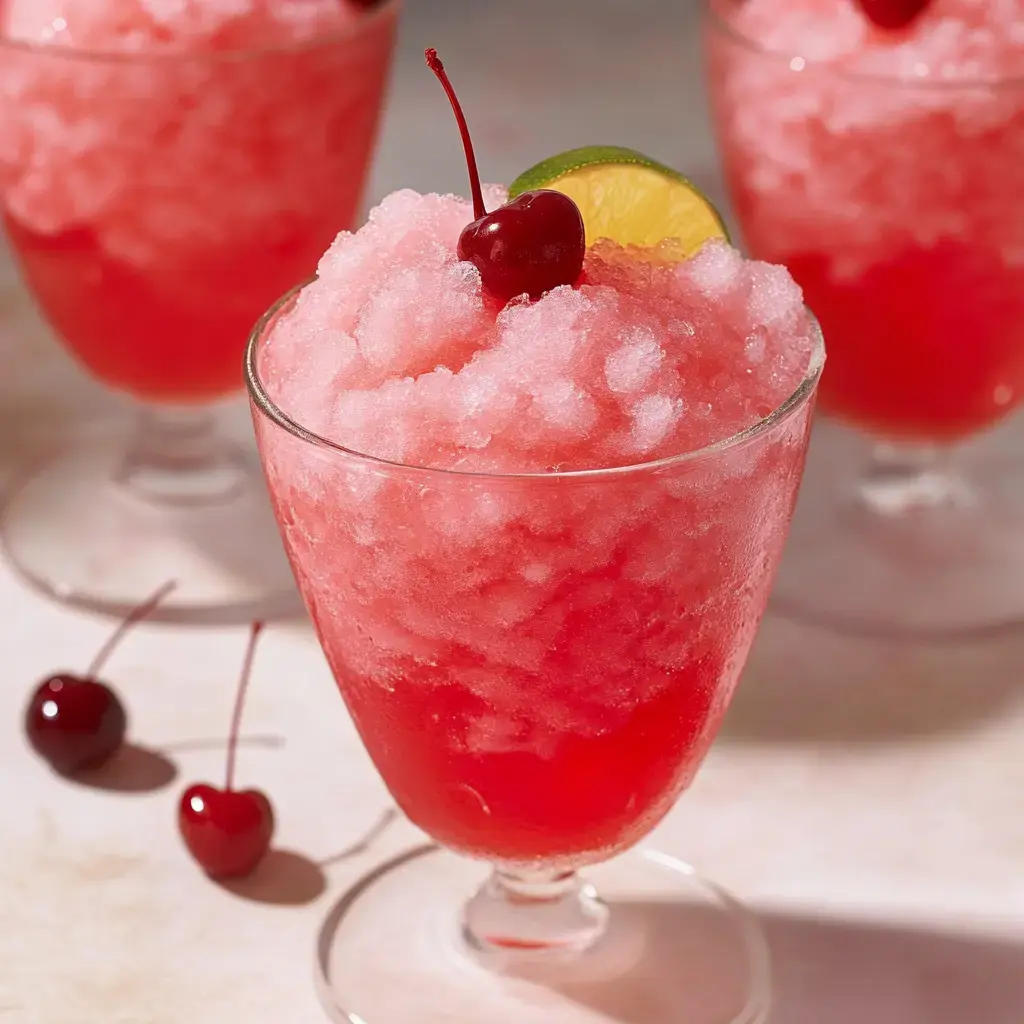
268,408
719,23
169,54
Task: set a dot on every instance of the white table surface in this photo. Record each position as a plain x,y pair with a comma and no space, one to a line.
868,798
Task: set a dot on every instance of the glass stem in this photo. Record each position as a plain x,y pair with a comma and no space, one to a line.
177,456
533,911
900,478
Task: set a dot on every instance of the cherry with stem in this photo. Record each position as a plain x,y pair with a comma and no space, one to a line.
77,722
228,831
530,245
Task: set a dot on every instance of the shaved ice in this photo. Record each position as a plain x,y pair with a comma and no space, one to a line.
883,168
396,351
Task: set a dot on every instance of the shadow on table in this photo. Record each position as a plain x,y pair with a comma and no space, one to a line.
133,771
291,879
825,971
136,770
842,972
284,878
267,742
802,684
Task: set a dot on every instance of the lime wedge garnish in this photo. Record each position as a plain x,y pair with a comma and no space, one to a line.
628,198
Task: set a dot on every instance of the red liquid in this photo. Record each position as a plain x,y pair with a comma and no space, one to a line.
228,178
927,345
600,791
171,334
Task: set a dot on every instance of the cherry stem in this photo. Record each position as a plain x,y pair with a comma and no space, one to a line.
135,616
435,65
236,715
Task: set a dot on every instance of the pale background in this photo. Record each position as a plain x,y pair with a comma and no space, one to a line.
869,798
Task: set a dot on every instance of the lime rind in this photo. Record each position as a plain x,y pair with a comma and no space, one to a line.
558,166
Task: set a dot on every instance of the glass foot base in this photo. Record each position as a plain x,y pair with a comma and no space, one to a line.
676,950
87,530
925,554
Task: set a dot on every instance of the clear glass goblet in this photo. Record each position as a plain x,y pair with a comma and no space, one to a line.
898,205
537,665
157,202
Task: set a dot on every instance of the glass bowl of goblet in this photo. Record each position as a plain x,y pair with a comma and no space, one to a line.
537,665
157,201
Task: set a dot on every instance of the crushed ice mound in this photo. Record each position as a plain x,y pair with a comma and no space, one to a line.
397,351
850,140
164,160
138,25
951,39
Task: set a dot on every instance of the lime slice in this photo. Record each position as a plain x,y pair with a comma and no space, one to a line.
628,198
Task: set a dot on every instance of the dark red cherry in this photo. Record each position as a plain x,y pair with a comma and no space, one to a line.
228,832
77,721
530,245
893,14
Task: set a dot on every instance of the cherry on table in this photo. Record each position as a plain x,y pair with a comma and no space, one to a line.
227,831
893,14
77,722
530,245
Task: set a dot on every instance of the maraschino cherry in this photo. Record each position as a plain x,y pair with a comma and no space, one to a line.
893,14
77,722
228,832
527,247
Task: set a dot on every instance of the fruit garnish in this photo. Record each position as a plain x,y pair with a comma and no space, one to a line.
228,831
77,722
893,14
628,198
527,247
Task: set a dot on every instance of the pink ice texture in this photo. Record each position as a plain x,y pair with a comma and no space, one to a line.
396,351
855,141
142,25
950,40
163,160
